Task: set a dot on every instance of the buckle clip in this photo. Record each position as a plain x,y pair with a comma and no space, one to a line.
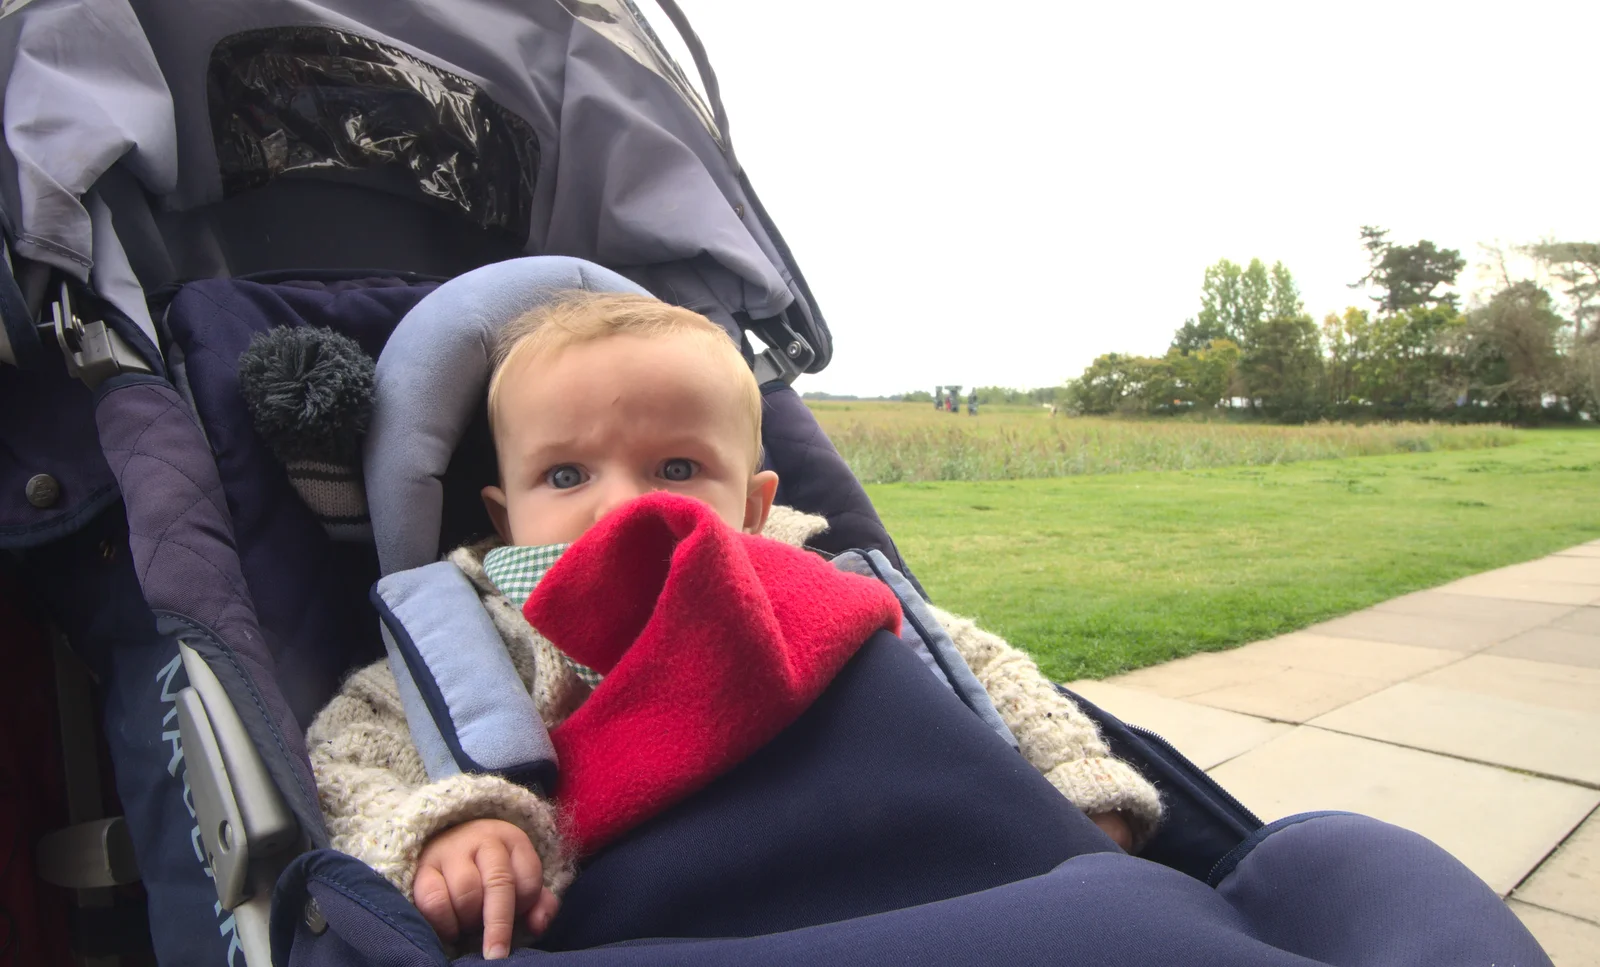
92,350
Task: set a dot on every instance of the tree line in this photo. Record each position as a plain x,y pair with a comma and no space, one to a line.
1415,354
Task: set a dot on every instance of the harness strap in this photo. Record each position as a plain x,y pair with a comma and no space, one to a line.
465,704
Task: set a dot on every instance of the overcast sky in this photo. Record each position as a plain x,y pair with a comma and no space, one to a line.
999,197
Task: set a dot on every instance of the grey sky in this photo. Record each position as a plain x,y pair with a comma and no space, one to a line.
997,198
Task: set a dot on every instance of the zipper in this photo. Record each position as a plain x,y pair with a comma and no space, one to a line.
1227,797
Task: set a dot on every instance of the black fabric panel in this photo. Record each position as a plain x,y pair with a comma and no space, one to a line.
316,102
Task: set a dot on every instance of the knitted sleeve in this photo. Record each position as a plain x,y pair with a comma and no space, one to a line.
1053,733
379,804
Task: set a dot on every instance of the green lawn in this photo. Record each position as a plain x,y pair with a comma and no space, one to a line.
1102,574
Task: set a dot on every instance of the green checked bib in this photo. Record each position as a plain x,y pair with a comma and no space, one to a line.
516,571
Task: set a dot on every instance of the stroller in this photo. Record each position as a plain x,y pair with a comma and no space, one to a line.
181,176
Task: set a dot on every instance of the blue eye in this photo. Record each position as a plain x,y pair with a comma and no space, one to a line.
564,477
677,469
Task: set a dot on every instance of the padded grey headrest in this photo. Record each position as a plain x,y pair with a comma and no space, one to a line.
432,377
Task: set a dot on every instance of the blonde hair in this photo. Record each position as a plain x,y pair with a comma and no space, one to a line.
578,317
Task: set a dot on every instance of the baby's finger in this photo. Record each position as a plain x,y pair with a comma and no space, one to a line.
466,891
1115,825
432,898
544,911
499,899
528,871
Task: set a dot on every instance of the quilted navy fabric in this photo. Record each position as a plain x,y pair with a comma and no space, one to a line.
310,592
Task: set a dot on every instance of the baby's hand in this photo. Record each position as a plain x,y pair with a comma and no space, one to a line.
483,872
1115,825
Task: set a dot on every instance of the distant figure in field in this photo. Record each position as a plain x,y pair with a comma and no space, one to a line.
1051,407
972,403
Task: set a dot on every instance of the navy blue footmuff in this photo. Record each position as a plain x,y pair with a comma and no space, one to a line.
891,825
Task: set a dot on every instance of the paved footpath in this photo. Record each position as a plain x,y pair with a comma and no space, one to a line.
1469,713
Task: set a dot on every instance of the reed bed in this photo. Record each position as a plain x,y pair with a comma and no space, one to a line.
903,442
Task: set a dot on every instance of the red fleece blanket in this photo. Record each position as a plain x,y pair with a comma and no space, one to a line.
710,641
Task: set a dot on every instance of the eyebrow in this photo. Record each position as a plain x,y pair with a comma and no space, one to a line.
544,451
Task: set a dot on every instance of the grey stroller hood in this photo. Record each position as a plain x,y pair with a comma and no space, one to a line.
159,140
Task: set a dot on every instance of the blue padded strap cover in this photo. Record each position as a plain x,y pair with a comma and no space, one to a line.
431,381
465,705
928,638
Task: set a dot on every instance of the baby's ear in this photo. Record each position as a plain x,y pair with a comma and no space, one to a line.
494,501
758,500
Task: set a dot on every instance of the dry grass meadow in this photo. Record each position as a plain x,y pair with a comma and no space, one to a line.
888,442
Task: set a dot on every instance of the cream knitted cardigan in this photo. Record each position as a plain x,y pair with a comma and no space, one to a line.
382,809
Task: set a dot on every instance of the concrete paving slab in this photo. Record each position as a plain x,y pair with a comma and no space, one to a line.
1291,694
1569,881
1582,620
1534,682
1197,673
1365,658
1425,632
1555,645
1208,736
1521,615
1499,823
1497,584
1566,569
1569,942
1556,742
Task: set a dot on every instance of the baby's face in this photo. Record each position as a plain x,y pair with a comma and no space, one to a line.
583,431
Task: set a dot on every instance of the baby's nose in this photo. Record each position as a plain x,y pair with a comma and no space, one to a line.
617,493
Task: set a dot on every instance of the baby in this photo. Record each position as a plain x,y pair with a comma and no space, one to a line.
594,402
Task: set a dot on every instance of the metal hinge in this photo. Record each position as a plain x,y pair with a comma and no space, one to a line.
787,354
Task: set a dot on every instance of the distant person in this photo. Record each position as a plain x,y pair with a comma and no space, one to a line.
972,403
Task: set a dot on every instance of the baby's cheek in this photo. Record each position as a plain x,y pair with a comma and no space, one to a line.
729,503
531,518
